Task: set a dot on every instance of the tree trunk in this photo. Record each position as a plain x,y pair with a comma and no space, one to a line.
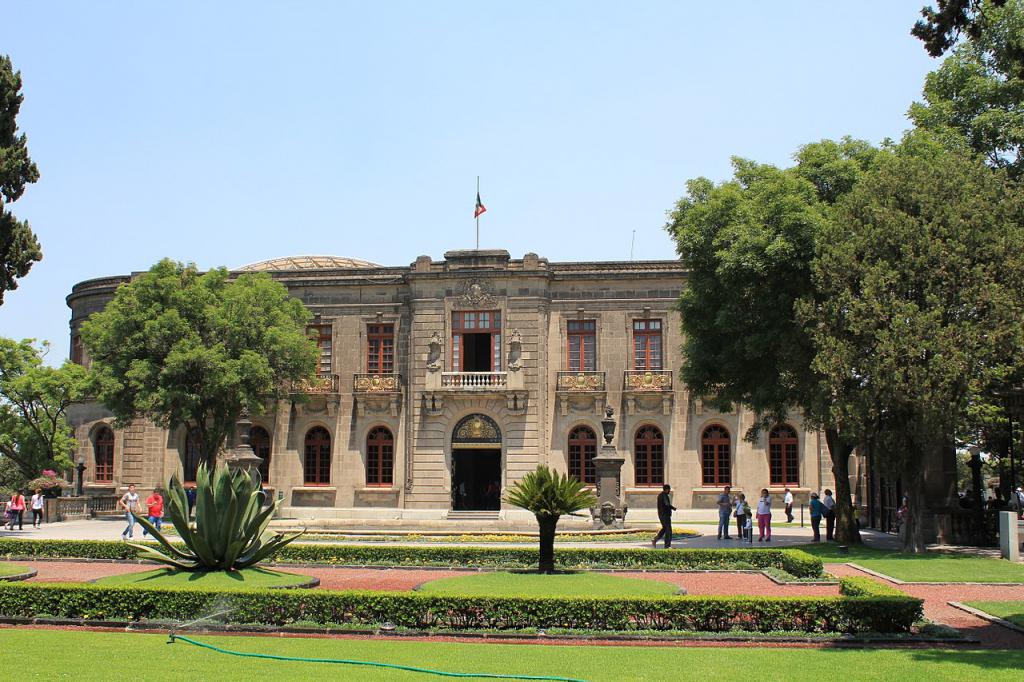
547,543
846,525
913,488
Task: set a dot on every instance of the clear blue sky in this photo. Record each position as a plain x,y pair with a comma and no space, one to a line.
226,133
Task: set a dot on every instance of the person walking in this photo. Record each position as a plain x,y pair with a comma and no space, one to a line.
788,501
829,512
665,510
17,510
816,510
764,517
1019,494
190,496
130,503
38,502
155,507
8,515
741,515
724,512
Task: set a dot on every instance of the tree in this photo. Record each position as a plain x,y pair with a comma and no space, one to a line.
34,399
978,91
748,245
921,303
192,349
940,30
19,248
549,495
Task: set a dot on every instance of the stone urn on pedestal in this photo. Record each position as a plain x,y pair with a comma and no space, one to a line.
242,456
609,512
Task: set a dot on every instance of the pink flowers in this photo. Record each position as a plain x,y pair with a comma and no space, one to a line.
49,473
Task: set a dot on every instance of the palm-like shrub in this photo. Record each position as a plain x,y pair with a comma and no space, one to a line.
549,495
230,530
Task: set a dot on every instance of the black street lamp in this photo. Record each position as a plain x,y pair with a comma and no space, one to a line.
80,468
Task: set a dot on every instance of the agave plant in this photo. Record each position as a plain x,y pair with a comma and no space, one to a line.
230,530
549,495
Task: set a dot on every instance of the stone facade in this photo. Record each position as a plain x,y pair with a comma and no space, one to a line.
527,390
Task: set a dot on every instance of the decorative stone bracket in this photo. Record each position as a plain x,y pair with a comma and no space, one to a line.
432,404
515,401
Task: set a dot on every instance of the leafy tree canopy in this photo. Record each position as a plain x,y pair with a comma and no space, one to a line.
192,349
19,248
34,399
978,92
941,28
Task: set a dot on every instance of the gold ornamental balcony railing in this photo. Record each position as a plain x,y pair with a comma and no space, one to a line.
580,382
647,380
377,383
324,383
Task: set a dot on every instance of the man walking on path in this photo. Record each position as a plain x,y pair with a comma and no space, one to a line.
130,503
788,501
724,510
155,507
829,511
665,510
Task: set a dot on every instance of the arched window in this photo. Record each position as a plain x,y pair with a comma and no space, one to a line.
380,457
193,456
318,457
259,439
714,447
582,450
103,453
649,454
783,462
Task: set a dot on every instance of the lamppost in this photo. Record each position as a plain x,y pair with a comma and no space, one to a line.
80,468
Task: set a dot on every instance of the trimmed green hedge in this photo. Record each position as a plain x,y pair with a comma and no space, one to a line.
867,587
883,614
793,561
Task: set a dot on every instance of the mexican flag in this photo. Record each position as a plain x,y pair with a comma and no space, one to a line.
480,208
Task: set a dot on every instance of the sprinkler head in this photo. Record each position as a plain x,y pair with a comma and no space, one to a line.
387,626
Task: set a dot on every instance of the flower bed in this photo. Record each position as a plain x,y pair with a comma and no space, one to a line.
865,612
794,562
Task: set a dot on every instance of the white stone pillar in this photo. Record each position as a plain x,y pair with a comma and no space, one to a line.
1009,535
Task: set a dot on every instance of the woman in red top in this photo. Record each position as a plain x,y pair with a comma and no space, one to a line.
17,510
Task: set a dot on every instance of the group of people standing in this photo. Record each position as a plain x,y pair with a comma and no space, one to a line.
14,509
736,506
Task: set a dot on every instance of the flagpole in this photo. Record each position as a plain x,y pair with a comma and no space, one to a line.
478,215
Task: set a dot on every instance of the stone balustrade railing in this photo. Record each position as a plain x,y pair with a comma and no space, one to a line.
474,380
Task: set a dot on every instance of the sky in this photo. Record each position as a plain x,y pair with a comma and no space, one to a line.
225,133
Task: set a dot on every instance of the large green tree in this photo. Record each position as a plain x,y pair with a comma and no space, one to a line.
34,399
19,248
748,245
192,349
978,91
940,29
920,305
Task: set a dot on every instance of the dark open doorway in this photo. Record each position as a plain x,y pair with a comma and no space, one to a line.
476,353
476,479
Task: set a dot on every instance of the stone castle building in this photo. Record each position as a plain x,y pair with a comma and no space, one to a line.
443,382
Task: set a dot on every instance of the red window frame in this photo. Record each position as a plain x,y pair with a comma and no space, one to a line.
193,456
316,468
715,445
649,456
380,348
783,456
582,450
259,439
322,334
103,455
476,322
648,348
581,345
380,457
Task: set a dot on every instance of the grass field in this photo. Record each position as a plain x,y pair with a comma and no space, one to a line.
248,577
13,569
104,656
558,585
1012,611
930,567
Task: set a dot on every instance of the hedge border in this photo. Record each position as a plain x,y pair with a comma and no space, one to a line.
794,561
865,612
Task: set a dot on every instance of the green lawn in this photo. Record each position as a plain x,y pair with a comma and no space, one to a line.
931,567
499,584
13,569
102,656
1012,611
247,577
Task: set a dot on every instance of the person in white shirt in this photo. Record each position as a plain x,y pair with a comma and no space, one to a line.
130,503
764,517
830,515
788,501
38,501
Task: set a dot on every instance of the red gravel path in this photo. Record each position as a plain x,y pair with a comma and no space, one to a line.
937,608
752,584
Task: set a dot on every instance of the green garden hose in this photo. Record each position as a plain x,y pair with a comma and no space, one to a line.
375,664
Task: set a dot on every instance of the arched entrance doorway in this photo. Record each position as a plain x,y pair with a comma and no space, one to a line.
476,464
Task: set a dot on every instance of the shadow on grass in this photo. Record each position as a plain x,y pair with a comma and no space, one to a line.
991,659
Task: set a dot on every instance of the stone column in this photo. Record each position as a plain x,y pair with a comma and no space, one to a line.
610,512
1009,536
